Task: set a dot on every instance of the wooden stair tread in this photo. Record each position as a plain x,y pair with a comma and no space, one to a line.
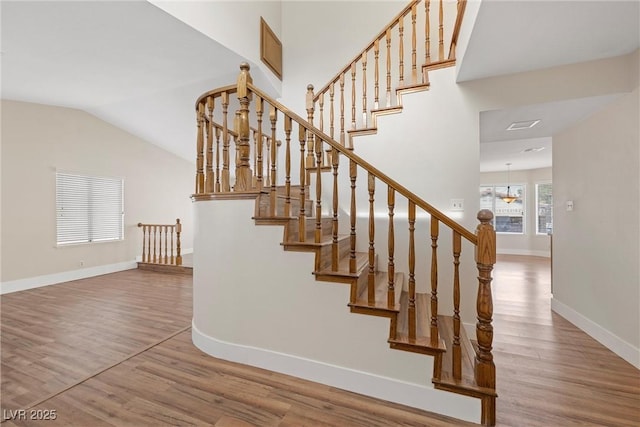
381,289
422,343
363,131
410,88
310,243
439,64
386,110
362,261
467,383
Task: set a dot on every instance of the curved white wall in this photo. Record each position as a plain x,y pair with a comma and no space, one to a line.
255,303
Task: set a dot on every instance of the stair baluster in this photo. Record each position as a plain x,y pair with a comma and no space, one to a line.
217,187
319,153
371,279
273,117
310,110
391,268
401,50
414,56
353,171
412,271
209,159
342,141
427,40
376,86
226,184
260,166
457,356
441,33
302,226
335,255
200,149
364,89
434,280
287,167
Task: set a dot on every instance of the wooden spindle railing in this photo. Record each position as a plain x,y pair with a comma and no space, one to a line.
305,194
161,243
445,25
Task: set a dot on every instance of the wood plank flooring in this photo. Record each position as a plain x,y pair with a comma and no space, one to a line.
116,350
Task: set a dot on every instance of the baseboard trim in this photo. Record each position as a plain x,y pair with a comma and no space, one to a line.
605,337
414,395
525,252
65,276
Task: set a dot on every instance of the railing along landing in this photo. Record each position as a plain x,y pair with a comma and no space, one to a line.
161,243
422,37
341,186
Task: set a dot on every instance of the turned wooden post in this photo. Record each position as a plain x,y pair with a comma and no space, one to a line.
144,235
310,160
200,150
244,174
178,231
485,370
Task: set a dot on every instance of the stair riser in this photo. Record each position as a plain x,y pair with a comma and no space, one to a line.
293,231
265,204
323,260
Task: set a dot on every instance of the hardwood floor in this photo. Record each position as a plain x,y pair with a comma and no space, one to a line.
116,350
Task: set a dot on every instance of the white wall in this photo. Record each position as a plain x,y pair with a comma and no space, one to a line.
254,303
39,139
596,280
235,25
529,243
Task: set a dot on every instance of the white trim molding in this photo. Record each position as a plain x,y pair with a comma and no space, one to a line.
527,252
605,337
414,395
65,276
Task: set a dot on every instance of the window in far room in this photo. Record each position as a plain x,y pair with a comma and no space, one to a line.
544,208
507,217
88,209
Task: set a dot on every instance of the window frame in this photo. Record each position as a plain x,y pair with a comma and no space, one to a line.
98,188
493,207
538,233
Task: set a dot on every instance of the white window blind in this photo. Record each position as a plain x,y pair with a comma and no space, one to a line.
89,208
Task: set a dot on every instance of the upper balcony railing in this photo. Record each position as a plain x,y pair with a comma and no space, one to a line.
422,37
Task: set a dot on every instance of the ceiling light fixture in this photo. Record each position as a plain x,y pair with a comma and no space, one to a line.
509,198
533,150
527,124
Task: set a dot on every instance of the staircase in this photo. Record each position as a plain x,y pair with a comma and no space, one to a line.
363,228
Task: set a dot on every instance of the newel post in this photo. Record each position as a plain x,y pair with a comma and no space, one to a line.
244,176
485,370
178,247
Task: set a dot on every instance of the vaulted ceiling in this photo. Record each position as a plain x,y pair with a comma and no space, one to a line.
141,73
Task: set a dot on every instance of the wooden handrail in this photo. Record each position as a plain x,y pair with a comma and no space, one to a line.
399,188
155,250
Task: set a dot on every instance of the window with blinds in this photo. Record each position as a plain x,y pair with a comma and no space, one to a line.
89,208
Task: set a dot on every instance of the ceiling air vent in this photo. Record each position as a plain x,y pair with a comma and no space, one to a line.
527,124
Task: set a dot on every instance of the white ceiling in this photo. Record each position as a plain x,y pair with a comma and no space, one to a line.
518,35
135,74
144,73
